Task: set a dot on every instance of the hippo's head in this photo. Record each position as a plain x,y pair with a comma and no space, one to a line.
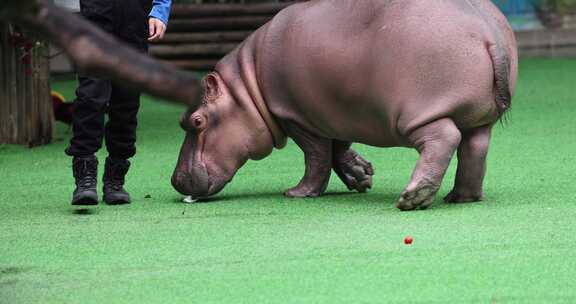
221,135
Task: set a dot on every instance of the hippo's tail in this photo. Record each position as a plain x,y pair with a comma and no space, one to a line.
501,64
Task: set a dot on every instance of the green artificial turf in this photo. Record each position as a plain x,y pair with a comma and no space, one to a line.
250,244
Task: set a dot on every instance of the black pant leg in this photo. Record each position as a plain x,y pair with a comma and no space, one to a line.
92,96
132,29
127,21
102,13
132,25
122,122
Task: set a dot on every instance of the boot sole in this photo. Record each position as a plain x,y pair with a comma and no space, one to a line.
118,201
85,201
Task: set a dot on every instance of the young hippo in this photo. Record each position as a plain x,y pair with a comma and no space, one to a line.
431,75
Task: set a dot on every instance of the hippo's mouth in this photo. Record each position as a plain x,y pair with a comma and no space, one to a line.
197,183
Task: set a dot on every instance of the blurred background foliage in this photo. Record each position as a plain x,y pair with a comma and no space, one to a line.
561,6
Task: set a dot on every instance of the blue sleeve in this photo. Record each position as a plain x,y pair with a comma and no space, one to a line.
161,10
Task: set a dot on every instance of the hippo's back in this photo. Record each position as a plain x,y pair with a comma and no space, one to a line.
371,71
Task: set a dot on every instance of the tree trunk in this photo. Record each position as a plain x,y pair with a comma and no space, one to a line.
26,115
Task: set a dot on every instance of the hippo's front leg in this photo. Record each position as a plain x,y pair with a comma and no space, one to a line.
436,142
354,171
318,160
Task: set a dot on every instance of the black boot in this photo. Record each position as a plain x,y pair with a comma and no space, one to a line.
115,170
85,173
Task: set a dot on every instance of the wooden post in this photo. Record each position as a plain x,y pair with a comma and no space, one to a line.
26,115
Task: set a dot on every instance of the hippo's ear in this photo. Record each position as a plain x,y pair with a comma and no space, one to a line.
211,89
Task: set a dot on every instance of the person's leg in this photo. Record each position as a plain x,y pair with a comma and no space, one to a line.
121,142
132,22
120,132
92,97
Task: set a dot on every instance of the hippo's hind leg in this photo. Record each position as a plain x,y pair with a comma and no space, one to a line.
318,161
436,143
472,154
354,171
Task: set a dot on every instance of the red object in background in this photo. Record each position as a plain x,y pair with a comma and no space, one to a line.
62,109
408,240
27,59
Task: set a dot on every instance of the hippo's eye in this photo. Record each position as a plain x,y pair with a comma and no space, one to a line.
198,122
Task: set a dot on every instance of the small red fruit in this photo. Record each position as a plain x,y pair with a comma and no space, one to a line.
408,240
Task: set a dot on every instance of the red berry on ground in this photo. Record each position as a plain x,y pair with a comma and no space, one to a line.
408,240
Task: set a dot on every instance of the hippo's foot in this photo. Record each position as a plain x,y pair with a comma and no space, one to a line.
354,171
302,191
421,196
461,197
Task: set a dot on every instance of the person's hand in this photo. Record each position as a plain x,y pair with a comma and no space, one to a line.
157,29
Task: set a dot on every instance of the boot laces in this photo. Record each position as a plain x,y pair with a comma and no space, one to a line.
115,179
115,184
86,171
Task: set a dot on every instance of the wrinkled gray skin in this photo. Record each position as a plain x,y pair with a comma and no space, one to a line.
431,75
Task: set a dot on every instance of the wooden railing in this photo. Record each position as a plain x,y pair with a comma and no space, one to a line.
200,35
547,43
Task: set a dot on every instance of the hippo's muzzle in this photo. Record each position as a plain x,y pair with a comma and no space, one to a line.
197,182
